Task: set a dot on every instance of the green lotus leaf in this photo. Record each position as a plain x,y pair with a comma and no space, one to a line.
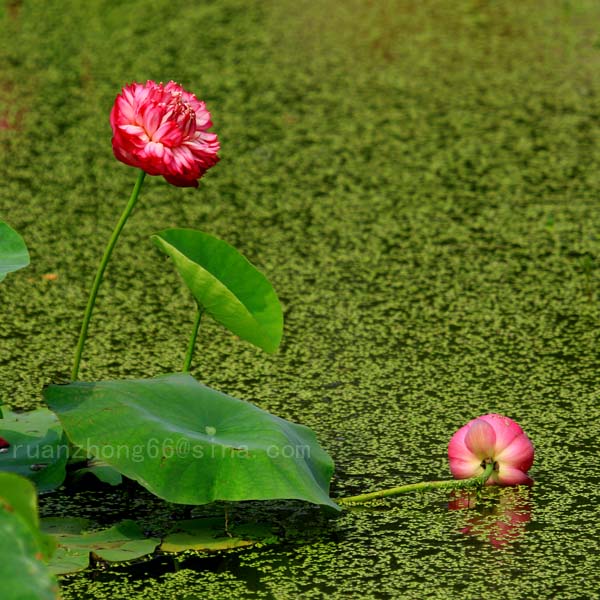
209,535
120,543
101,472
226,285
23,547
37,447
190,444
13,251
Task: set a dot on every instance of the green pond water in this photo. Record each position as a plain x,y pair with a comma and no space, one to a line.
420,180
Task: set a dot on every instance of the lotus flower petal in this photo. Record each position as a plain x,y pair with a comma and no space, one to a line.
505,429
508,475
481,439
518,454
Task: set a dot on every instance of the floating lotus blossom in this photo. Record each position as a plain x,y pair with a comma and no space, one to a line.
163,130
4,445
491,439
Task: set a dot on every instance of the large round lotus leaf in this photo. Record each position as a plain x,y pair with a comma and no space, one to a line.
37,447
226,285
13,251
190,444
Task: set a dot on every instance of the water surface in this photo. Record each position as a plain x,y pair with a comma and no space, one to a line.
420,181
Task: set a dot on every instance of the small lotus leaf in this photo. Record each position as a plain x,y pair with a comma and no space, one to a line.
122,542
226,285
13,251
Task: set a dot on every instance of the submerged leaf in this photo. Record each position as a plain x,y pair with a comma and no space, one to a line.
122,542
209,535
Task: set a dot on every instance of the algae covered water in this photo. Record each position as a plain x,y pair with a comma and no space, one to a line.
420,182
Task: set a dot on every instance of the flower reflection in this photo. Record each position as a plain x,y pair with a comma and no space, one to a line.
499,516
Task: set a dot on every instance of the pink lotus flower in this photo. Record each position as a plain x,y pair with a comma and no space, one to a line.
491,439
163,130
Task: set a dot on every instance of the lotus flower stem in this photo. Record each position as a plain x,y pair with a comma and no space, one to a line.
453,484
99,274
190,351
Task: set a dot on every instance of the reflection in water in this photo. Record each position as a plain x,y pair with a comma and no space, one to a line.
497,515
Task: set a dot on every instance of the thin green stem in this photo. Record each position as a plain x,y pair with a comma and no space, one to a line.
192,344
99,274
453,484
